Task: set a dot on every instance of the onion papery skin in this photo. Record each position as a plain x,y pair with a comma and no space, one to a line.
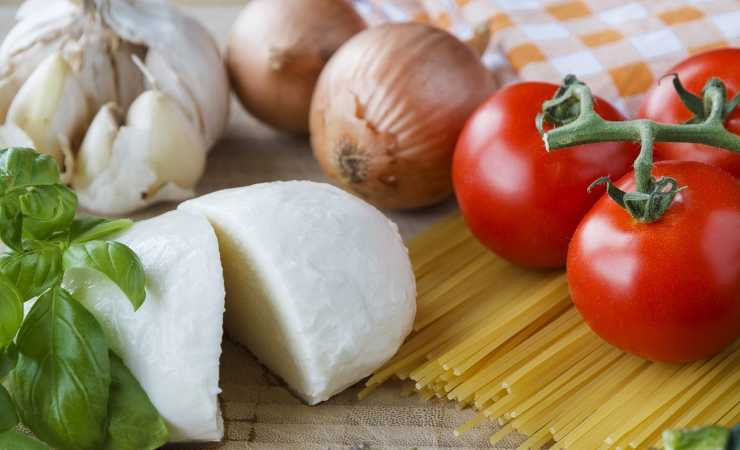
277,50
388,109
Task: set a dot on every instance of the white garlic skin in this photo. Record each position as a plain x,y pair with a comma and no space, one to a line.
99,57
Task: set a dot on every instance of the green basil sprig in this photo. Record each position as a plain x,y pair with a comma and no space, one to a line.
65,385
61,381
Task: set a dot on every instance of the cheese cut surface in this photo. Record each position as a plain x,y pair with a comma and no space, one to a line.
319,283
172,344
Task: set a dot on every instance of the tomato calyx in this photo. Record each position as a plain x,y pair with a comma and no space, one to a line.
571,113
561,109
697,105
645,207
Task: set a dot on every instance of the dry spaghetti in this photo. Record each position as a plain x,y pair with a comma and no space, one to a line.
508,342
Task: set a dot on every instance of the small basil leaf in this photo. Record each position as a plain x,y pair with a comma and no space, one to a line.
11,223
11,312
33,271
47,209
13,440
8,415
707,438
134,423
61,382
95,228
8,360
114,260
26,167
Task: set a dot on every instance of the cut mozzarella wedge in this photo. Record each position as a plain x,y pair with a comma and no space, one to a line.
319,283
172,344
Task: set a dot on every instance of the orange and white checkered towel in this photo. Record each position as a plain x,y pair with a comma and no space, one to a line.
619,47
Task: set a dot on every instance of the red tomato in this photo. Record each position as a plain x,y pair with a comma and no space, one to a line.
662,104
668,290
519,200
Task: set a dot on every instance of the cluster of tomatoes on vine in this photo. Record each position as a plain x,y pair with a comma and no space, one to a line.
654,263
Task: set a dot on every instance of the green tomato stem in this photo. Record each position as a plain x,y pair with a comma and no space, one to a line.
572,111
589,127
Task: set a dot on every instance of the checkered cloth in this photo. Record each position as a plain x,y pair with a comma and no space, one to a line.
619,47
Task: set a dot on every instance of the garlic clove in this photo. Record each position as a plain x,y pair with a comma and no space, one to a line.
97,147
12,136
129,182
157,156
50,105
8,88
173,138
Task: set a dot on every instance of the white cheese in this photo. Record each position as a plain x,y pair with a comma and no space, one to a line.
172,344
319,283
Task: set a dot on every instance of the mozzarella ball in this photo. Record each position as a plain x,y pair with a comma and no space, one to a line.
319,284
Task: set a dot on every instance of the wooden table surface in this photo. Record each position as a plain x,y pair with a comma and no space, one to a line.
260,414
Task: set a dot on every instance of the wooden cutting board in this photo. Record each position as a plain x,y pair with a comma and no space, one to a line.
260,413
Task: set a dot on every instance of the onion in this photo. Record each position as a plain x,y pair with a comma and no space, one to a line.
388,109
276,51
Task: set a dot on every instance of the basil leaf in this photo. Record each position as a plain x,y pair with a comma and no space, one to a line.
11,312
47,209
134,423
8,360
114,260
707,438
11,223
62,380
8,415
33,271
26,167
95,228
19,441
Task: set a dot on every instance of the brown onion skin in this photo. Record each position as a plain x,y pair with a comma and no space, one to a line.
276,51
388,110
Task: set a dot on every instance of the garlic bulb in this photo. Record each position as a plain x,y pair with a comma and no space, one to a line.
69,74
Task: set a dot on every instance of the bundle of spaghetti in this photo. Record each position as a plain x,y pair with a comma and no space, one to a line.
508,342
